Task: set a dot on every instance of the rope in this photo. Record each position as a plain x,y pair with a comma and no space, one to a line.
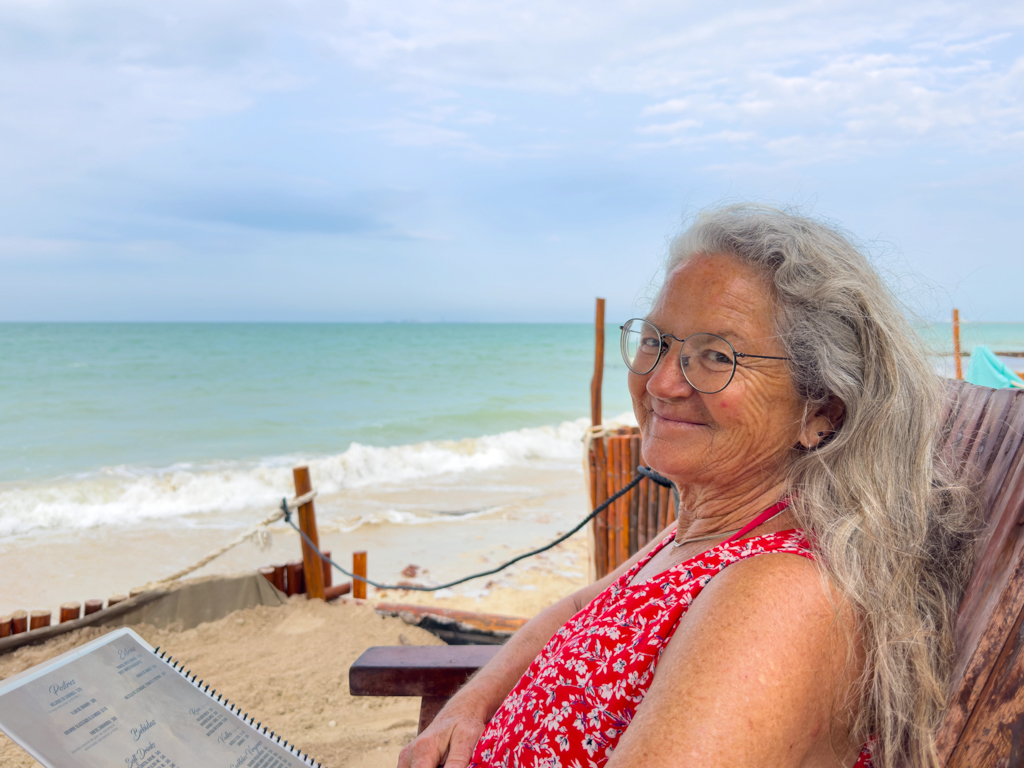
258,531
641,472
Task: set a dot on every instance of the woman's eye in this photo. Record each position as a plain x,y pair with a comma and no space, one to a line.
650,344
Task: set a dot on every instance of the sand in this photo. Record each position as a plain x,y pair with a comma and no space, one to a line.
288,666
524,589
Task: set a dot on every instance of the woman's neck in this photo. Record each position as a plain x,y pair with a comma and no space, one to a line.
701,512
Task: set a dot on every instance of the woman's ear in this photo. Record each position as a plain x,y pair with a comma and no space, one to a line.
823,424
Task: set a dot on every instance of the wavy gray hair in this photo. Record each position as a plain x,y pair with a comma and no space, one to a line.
892,527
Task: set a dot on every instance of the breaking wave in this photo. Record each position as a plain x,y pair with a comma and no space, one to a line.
126,495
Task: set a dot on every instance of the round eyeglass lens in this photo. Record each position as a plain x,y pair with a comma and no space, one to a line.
708,362
641,346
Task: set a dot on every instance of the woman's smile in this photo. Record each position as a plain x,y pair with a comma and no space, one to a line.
668,417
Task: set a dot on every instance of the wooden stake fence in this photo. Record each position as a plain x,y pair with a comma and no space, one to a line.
636,518
629,523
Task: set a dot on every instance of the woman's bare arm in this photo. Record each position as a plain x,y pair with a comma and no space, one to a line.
453,735
751,677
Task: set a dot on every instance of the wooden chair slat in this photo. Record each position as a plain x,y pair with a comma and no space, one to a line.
411,670
994,735
994,599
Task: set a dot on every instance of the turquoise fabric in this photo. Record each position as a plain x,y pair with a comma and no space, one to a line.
987,370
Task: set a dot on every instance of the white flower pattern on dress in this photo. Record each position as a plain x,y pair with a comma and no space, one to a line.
579,695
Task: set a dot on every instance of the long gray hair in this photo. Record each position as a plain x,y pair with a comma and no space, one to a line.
892,528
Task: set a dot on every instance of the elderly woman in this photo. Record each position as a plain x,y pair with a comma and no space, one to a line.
779,387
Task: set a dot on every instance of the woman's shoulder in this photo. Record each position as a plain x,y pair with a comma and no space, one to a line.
776,571
760,651
781,597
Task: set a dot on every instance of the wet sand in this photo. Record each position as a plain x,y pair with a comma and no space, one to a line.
480,520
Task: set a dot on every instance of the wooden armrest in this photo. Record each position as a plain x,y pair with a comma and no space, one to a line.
432,672
411,670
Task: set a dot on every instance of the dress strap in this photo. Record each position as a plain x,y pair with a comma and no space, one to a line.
768,514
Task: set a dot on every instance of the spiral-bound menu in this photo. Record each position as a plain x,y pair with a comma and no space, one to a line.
117,701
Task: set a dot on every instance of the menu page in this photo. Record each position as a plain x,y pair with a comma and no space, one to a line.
113,702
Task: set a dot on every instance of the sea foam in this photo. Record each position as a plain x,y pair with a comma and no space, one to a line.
127,495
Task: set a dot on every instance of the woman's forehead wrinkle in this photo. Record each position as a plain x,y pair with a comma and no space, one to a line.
739,314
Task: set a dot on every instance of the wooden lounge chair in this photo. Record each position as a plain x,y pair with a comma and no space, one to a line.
984,432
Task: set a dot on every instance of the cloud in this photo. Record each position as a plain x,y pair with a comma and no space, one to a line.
88,83
840,74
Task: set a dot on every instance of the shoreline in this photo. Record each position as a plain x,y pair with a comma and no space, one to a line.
523,508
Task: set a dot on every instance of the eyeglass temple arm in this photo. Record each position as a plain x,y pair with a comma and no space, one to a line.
762,357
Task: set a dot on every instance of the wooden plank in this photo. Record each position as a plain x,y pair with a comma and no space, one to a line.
994,736
409,670
491,622
429,707
989,435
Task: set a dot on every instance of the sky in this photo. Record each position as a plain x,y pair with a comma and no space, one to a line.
304,160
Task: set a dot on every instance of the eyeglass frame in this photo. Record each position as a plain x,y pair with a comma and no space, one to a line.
665,346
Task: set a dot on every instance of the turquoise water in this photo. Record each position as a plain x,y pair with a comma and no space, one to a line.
1000,337
109,424
79,397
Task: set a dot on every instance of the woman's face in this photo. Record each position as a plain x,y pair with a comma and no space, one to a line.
746,432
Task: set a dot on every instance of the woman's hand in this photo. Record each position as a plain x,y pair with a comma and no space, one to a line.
448,741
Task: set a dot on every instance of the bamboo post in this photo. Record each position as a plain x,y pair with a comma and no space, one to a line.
956,345
359,569
613,509
652,509
115,599
622,535
70,612
5,626
664,502
313,566
598,458
19,622
38,619
327,571
598,378
597,495
91,606
634,495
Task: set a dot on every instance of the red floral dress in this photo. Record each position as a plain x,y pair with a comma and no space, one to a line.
580,694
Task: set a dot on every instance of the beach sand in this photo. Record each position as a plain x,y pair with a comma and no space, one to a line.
289,665
286,665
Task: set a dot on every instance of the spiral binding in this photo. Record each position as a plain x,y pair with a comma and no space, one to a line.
179,667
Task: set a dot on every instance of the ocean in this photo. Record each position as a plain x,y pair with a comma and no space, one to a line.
182,435
111,423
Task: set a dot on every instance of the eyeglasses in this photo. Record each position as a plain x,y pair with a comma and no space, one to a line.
708,361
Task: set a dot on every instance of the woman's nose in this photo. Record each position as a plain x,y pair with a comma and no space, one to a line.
667,380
